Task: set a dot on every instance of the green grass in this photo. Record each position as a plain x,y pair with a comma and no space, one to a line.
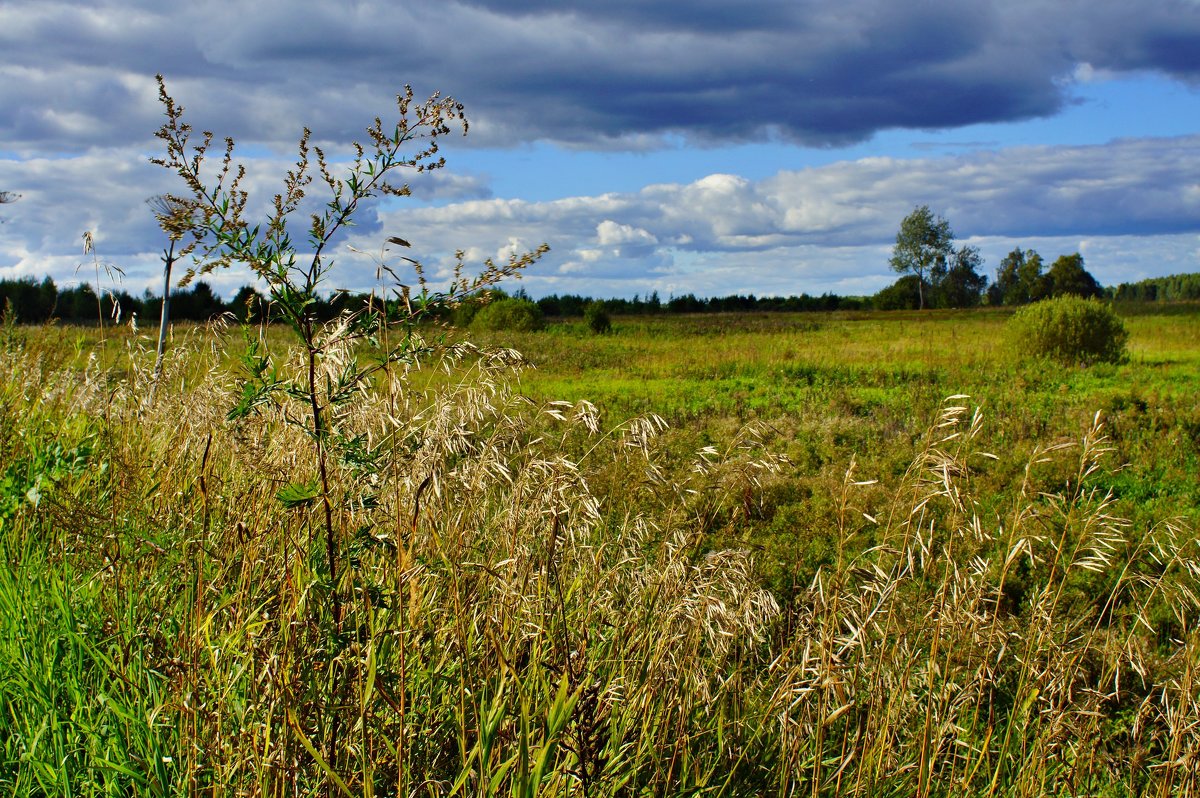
823,578
837,385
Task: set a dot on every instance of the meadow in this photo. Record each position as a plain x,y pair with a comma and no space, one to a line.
745,554
826,388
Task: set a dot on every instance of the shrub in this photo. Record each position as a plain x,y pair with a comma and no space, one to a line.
904,294
464,314
596,318
512,314
1070,330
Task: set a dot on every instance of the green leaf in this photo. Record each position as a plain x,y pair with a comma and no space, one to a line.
253,396
298,494
312,751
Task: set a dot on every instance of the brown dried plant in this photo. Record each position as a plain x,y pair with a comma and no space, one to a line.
330,377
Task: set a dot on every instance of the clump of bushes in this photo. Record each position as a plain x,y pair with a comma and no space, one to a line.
596,318
512,314
464,313
1070,330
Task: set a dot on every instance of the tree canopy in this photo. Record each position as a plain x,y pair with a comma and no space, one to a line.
1067,277
937,274
960,285
1020,279
923,243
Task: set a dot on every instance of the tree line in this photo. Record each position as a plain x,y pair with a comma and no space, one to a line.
939,274
1175,288
29,301
1021,281
570,305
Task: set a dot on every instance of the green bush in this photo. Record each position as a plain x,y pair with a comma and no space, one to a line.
511,314
465,313
596,318
1070,330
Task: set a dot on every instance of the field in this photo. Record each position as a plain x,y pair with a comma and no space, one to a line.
817,554
829,387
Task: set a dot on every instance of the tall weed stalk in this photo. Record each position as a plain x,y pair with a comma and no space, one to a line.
330,374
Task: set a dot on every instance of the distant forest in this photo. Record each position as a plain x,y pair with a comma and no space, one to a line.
30,301
1176,288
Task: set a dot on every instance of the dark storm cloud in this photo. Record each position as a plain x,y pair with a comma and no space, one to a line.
587,73
1160,36
702,15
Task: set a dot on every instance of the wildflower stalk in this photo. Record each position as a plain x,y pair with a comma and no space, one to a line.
331,376
177,219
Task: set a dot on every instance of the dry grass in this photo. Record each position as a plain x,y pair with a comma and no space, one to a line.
505,628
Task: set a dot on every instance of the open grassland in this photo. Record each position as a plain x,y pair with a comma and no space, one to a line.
743,555
826,387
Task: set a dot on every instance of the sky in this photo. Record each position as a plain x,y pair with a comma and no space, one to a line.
708,147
